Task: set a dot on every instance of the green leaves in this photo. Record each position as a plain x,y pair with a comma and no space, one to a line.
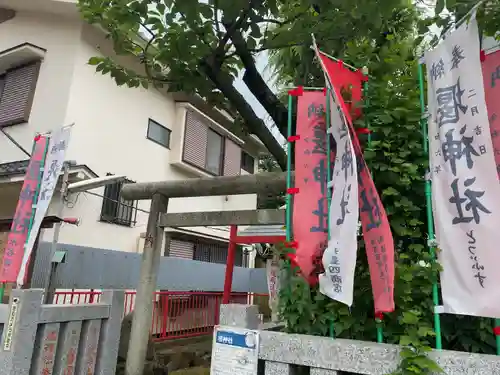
439,6
95,60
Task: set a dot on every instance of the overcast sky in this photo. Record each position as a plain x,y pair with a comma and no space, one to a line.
261,62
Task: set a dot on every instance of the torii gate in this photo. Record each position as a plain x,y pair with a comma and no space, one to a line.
159,194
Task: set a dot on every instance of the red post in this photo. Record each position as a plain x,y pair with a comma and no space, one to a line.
231,252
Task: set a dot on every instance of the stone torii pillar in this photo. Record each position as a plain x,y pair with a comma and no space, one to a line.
160,193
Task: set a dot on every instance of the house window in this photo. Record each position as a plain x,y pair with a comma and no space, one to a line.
215,150
115,209
158,133
2,83
216,253
16,93
247,162
208,150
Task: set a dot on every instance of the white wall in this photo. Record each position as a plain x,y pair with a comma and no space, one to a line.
51,97
109,135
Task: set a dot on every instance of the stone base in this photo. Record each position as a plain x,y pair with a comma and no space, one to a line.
125,338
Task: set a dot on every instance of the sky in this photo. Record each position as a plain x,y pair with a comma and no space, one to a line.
261,62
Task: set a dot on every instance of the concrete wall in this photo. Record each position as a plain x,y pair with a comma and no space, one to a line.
282,352
92,268
46,339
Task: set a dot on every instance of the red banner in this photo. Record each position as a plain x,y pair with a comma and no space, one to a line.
310,205
376,228
14,249
491,76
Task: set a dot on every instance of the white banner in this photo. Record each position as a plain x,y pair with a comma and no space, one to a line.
54,161
339,258
465,189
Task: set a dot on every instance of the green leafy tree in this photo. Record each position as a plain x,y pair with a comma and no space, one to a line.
398,165
488,14
396,159
199,47
268,164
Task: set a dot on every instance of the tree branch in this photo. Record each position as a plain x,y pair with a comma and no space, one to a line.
234,26
216,19
259,88
224,83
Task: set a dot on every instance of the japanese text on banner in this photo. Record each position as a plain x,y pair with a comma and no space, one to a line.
53,165
464,179
16,240
339,259
310,208
377,234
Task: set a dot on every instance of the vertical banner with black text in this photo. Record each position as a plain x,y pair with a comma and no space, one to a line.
310,205
21,223
339,258
465,189
54,160
377,234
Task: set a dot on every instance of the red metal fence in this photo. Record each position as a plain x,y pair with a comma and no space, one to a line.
175,314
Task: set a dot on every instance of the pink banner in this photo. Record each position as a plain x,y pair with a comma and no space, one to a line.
310,205
377,233
491,76
14,249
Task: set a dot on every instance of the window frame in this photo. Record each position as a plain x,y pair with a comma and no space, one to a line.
156,123
36,63
202,247
222,150
243,166
116,202
2,83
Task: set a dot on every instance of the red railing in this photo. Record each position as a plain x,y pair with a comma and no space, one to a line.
175,314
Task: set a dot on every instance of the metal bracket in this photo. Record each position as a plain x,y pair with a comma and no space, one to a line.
439,309
59,257
428,176
432,242
425,115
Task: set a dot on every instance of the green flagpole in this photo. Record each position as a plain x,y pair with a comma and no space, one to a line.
288,197
430,220
378,321
288,172
328,179
497,337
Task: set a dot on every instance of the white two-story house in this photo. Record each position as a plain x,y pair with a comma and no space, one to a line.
144,134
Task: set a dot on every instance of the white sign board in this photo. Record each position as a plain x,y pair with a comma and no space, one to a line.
235,351
11,323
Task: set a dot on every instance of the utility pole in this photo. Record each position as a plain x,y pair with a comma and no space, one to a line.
49,289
